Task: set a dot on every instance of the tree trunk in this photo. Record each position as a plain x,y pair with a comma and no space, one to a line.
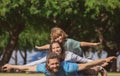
16,57
24,56
9,49
13,39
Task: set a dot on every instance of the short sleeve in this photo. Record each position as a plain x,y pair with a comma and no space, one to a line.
73,46
69,67
41,68
72,43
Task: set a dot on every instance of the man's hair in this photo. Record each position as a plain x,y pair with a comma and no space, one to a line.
56,32
62,55
52,55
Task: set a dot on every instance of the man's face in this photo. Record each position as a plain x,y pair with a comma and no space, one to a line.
56,48
54,65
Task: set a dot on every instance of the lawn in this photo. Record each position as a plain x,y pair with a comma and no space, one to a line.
39,74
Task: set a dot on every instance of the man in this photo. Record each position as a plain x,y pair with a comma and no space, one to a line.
53,66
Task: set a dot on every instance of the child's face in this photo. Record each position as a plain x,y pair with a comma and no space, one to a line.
59,39
56,48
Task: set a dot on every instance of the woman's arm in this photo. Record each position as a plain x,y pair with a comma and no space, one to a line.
42,60
70,56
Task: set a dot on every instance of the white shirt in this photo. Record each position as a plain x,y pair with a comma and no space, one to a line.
70,56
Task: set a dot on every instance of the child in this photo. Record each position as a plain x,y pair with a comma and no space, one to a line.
57,34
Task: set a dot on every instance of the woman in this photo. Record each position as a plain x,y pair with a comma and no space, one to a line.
66,55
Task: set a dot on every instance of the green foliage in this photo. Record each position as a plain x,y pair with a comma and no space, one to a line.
96,7
79,18
3,40
31,37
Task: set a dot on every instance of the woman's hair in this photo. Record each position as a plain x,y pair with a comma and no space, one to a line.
51,55
56,32
62,55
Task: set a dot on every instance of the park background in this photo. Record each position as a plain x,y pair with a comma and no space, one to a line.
26,23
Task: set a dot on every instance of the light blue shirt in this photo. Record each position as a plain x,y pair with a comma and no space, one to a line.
66,69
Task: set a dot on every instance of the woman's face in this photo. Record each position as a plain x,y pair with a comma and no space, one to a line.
56,48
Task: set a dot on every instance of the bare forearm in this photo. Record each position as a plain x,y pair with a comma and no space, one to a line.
8,67
89,44
24,68
20,67
96,62
91,64
44,47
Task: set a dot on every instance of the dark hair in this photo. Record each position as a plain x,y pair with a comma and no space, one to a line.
62,55
51,55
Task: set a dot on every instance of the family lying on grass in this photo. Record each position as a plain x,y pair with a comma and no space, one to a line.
57,65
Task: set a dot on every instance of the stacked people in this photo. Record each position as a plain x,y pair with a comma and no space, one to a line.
56,65
68,55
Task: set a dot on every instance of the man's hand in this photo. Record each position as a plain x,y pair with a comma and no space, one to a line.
109,59
7,67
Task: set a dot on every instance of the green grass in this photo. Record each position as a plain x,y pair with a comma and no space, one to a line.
114,74
39,74
21,74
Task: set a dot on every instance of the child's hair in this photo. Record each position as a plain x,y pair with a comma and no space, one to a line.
56,32
62,55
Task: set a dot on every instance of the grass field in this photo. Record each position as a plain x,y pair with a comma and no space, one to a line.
39,74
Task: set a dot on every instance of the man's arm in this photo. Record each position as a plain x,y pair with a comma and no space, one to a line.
44,47
95,63
89,44
8,67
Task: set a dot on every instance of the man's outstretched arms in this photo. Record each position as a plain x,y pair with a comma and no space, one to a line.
8,67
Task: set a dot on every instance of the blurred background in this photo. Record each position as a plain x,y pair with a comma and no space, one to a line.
27,23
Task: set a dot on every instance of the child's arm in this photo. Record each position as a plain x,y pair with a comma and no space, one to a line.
44,47
89,44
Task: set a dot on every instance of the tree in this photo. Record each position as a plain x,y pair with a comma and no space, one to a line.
14,17
88,20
